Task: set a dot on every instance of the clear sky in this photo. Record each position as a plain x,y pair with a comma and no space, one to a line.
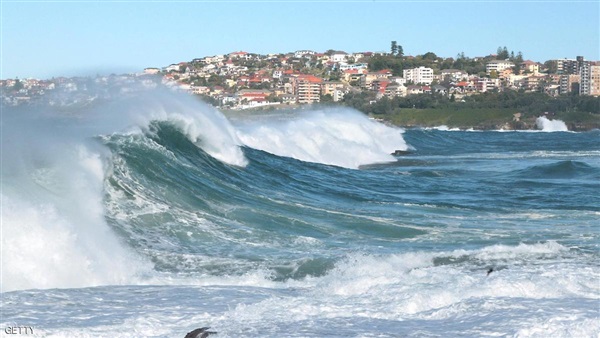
42,39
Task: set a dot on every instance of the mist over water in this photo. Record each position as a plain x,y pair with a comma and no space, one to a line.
156,214
54,231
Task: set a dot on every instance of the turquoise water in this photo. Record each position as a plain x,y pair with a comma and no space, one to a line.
295,224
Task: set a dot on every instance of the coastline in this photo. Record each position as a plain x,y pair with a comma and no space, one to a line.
430,118
483,119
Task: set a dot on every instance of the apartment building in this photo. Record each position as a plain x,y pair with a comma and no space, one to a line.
498,66
307,88
367,79
568,83
589,78
595,79
566,66
454,74
421,75
530,67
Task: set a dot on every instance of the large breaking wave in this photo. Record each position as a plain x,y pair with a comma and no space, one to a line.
67,182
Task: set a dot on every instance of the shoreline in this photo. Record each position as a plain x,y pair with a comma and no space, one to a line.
466,119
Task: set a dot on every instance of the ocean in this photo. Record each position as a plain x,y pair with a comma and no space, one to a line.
153,215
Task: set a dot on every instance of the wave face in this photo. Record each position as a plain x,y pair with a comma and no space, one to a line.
164,205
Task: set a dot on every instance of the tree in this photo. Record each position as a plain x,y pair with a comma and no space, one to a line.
551,66
400,51
430,56
18,85
502,53
274,98
327,98
394,48
518,61
519,58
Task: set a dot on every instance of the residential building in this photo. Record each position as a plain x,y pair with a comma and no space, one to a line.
566,66
398,79
439,89
151,70
277,74
307,88
329,87
303,53
380,85
585,78
589,78
198,90
252,97
422,75
483,85
498,66
529,66
287,98
240,55
368,78
395,89
454,74
344,66
339,57
569,83
174,67
595,79
353,75
533,83
413,89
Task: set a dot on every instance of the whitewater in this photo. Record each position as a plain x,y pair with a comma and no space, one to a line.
153,215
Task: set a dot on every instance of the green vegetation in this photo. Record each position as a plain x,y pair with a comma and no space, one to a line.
397,62
485,111
489,118
484,119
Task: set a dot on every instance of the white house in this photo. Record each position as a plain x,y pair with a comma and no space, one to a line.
399,80
345,66
277,74
339,57
151,70
454,74
301,53
172,67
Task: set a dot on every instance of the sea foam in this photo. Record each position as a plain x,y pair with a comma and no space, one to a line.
341,137
54,232
544,124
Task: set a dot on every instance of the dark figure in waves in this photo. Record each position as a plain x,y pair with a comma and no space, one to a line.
200,333
490,271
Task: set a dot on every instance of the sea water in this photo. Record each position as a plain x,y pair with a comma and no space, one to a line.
153,216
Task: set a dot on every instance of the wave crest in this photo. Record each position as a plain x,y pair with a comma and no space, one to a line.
341,137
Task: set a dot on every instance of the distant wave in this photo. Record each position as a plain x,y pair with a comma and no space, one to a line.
544,124
558,170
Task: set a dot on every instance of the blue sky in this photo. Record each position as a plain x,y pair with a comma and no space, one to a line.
42,39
